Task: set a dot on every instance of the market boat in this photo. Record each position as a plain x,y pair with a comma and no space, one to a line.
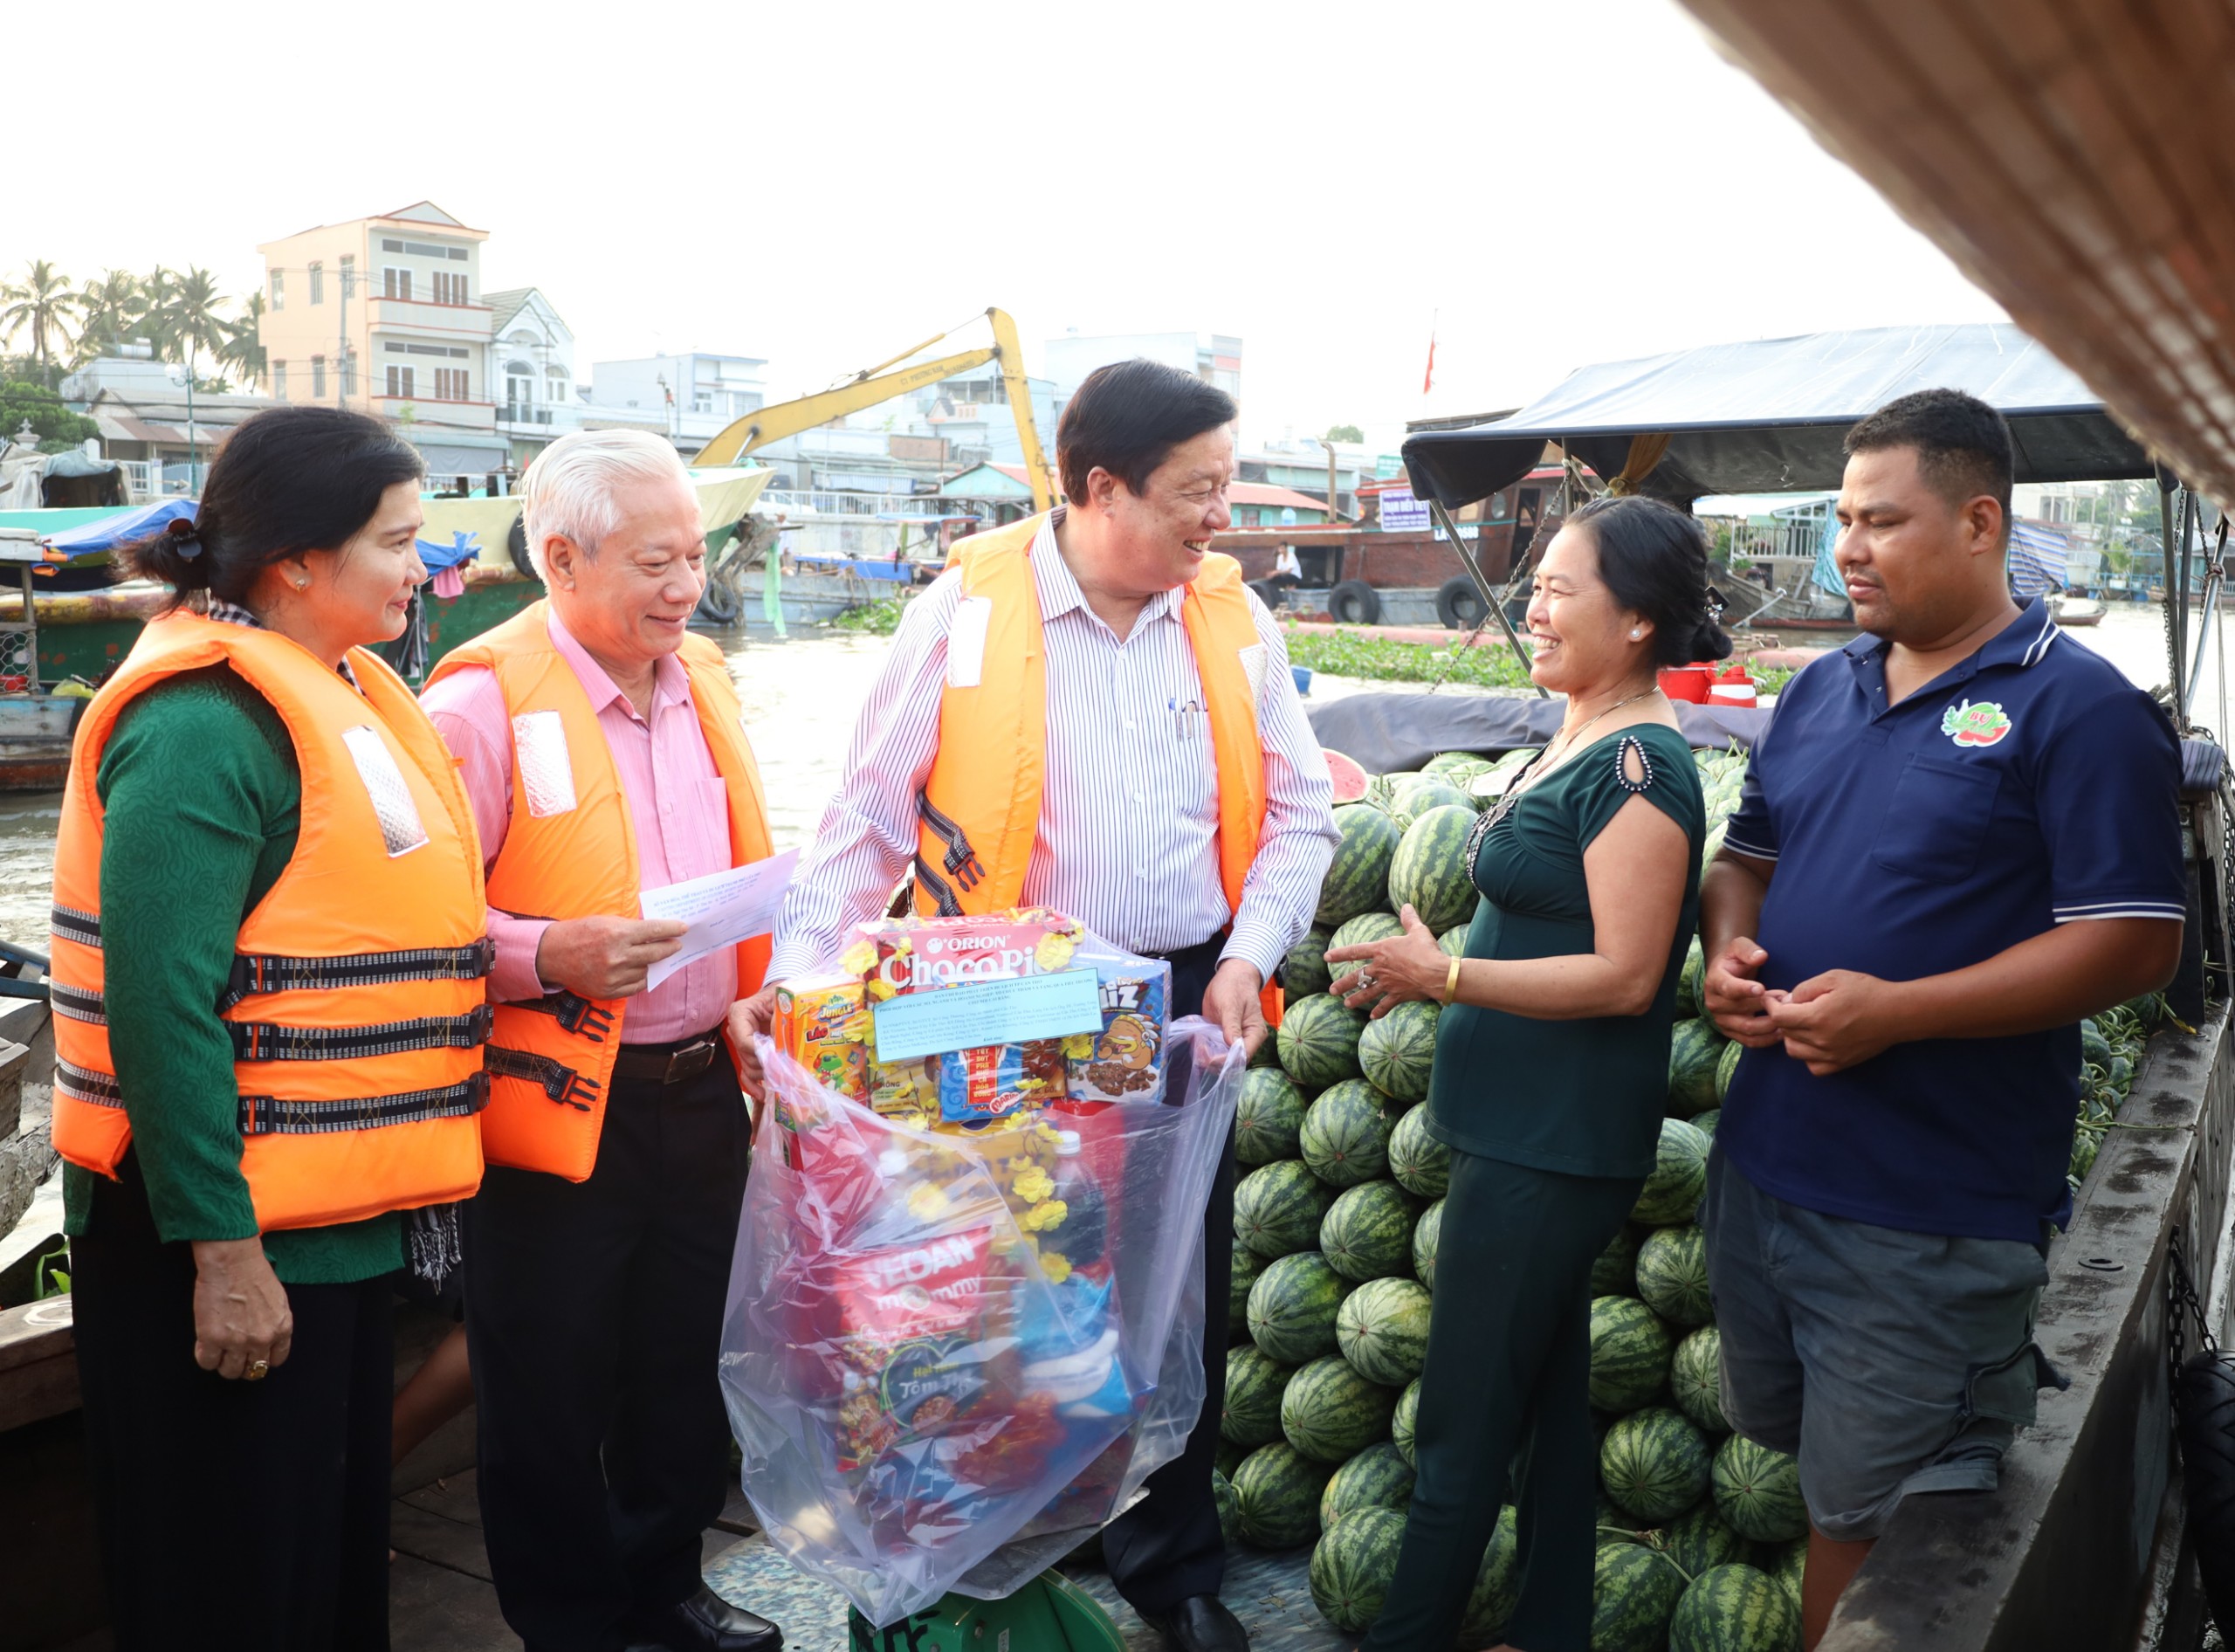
2076,611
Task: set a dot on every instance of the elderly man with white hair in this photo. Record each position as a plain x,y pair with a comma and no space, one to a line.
603,753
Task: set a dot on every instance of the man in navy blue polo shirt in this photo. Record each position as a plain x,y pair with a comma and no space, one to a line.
1959,836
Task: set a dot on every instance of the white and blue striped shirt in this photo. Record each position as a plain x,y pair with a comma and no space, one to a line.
1129,815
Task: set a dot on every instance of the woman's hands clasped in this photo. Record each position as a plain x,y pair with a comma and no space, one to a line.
1393,971
243,1326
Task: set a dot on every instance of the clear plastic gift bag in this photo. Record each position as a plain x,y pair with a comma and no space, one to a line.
950,1356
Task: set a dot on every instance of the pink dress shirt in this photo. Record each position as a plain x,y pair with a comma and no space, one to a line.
676,801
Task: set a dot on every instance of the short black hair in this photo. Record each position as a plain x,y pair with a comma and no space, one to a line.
287,479
1655,559
1963,446
1128,417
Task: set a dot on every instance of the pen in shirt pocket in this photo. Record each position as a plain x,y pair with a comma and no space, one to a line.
1183,718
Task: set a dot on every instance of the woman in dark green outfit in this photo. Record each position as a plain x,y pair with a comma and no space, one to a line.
1552,1069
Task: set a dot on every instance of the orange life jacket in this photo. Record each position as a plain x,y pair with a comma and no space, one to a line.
980,804
571,853
356,1007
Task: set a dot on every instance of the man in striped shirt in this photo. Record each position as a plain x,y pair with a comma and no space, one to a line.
1129,827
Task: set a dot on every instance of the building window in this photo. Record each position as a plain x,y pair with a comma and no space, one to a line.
278,381
702,401
279,289
318,378
394,283
450,286
318,283
450,384
554,384
348,276
400,382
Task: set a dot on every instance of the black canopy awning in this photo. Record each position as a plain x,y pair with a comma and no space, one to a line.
1768,415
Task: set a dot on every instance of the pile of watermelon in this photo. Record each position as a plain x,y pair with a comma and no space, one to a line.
1336,1225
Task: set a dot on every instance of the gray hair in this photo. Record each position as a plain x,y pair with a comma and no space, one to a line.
567,492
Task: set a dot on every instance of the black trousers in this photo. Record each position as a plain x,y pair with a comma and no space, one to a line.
1167,1548
232,1514
595,1330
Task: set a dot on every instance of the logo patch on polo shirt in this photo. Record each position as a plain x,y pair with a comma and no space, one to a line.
1980,724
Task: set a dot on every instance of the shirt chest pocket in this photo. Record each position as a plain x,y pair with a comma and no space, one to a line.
1936,820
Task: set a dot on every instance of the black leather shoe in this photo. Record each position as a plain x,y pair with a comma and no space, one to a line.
705,1622
1201,1623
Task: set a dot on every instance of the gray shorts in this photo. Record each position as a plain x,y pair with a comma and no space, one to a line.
1889,1362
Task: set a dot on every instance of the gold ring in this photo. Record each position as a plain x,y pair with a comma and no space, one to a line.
258,1370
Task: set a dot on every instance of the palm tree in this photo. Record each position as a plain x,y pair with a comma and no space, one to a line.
242,349
45,304
184,313
113,307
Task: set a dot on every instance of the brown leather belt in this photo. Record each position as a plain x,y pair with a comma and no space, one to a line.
667,1063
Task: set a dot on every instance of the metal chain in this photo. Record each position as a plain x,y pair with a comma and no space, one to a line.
2181,1306
1570,476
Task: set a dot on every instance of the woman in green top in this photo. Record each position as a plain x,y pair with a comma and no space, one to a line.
1552,1069
234,1510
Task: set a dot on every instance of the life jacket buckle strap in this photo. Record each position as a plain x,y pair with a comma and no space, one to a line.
960,859
576,1014
942,892
557,1080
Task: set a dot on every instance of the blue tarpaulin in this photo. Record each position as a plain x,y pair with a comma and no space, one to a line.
2037,561
126,528
462,547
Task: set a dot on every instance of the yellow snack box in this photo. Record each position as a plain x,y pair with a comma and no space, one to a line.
823,1024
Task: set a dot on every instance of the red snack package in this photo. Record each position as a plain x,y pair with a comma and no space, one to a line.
911,1321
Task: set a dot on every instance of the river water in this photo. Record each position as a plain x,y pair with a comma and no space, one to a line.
800,697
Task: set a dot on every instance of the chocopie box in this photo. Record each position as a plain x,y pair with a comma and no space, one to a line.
901,955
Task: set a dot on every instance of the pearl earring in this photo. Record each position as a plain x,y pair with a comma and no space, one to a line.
1636,633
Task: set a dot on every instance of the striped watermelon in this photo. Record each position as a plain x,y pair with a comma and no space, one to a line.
1358,878
1613,1525
1319,1042
1634,1594
1363,931
1757,1491
1267,1117
1615,1273
1443,765
1278,1208
1292,1308
1382,789
1453,942
1680,1175
1254,1382
1698,1539
1655,1465
1305,971
1695,1047
1672,1274
1400,1425
1429,872
1726,1068
1692,983
1397,1051
1789,1561
1331,1413
1696,1380
1379,1477
1350,778
1368,1232
1706,1122
1276,1495
1248,1264
1425,1233
1382,1328
1346,1135
1229,1458
1352,1566
1735,1608
1497,1584
1416,797
1630,1351
1420,1163
1229,1507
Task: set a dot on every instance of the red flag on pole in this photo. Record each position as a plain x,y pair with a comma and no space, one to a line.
1427,380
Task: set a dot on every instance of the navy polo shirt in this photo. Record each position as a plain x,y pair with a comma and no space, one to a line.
2031,786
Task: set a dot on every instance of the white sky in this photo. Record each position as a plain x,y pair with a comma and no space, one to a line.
823,185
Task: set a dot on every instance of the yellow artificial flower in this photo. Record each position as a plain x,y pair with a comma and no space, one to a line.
1049,1212
1056,1265
1078,1046
858,959
927,1200
1034,1185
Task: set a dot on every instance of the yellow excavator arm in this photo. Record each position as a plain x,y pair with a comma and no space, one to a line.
872,385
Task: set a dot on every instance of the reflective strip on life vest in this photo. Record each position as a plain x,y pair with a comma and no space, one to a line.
266,1116
264,1041
254,973
80,1084
77,1004
71,925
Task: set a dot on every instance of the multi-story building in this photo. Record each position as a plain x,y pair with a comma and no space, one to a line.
385,314
1214,357
971,413
697,394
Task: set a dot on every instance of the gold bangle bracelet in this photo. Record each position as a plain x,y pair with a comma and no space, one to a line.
1451,980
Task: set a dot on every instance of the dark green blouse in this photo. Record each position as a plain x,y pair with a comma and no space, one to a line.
1585,1098
202,801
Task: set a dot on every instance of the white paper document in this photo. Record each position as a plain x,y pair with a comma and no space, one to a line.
722,909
